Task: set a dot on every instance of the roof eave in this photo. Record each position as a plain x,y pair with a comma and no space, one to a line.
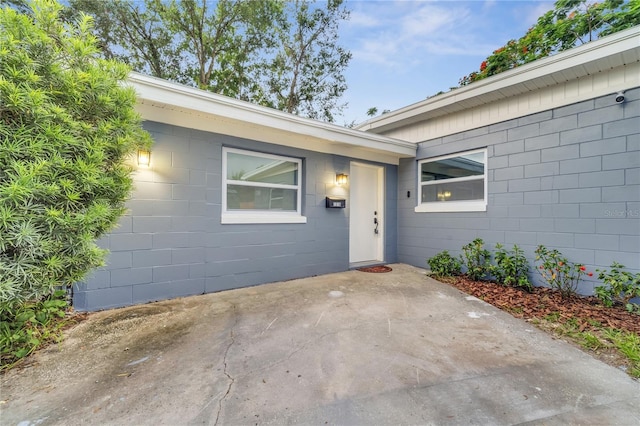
164,101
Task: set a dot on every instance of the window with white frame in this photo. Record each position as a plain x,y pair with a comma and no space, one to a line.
260,188
451,183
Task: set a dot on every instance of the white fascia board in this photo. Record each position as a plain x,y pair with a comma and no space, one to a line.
210,123
171,103
625,44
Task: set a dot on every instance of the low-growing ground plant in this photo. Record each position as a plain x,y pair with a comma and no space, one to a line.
444,265
25,326
558,272
596,338
477,259
511,268
629,345
620,287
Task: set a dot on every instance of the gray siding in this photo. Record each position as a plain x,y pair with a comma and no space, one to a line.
567,178
172,242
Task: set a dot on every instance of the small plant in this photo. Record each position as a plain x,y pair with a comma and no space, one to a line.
511,268
620,287
476,258
591,341
629,345
594,323
558,272
25,326
552,317
444,265
515,310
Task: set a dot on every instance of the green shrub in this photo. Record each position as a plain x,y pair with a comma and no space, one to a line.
559,273
620,287
476,258
25,326
444,265
67,125
511,268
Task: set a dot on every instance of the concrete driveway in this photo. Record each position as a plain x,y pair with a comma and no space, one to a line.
348,348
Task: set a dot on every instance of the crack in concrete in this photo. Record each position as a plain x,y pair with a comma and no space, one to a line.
226,352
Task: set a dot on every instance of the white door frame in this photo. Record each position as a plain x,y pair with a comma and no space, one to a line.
367,216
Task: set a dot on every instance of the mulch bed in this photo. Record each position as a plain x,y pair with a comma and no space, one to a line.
542,302
375,269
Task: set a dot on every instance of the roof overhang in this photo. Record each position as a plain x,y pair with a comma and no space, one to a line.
617,50
171,103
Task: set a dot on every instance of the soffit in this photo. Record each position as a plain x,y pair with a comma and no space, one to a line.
171,103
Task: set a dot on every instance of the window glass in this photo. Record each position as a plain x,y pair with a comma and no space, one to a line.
462,166
240,197
254,168
454,191
261,188
453,182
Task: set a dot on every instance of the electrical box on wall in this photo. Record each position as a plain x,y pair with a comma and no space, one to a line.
335,203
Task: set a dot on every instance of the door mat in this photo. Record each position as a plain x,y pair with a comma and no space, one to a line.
375,269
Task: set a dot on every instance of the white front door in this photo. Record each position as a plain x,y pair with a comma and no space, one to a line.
366,207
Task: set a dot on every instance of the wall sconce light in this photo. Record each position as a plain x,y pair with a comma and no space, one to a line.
144,157
444,195
341,179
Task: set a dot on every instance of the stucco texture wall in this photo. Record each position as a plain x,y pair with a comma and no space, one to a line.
567,178
171,243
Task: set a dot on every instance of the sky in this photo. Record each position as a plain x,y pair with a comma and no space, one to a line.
406,50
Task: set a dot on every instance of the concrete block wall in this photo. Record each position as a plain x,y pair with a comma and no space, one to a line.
171,243
567,178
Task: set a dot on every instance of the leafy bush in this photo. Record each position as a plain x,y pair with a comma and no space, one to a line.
444,265
67,125
476,258
559,273
25,326
511,268
620,287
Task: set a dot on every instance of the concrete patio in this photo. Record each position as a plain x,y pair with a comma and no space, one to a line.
348,348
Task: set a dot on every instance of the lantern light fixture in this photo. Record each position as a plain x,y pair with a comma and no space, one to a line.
144,157
341,179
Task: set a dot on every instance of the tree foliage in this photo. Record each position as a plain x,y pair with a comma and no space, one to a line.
279,54
67,124
306,75
211,46
569,24
221,49
134,34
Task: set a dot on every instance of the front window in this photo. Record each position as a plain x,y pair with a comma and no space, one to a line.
260,188
452,183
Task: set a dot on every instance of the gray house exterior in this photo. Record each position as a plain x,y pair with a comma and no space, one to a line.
543,154
179,240
576,189
563,159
